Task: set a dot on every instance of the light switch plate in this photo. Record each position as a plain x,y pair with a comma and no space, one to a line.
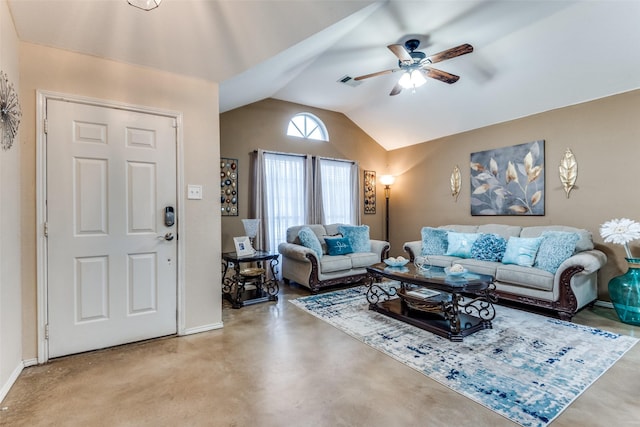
194,192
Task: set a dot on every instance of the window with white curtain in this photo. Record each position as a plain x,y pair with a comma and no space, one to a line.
337,187
284,195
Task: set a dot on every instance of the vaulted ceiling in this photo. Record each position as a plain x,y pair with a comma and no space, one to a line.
529,56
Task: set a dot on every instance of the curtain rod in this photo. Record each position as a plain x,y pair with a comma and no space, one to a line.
306,155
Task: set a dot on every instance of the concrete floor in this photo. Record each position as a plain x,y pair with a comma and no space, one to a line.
274,365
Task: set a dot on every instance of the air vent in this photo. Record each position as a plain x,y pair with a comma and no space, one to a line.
349,81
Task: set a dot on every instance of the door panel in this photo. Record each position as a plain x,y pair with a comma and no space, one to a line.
111,276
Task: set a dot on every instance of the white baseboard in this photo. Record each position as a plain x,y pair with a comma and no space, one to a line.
203,328
605,304
11,380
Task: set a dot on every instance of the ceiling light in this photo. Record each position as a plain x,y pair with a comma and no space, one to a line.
145,4
412,79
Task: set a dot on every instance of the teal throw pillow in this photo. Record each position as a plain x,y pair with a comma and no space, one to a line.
521,250
556,247
489,247
358,236
434,241
338,245
309,240
459,244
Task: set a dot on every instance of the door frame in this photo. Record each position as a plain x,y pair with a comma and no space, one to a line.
42,96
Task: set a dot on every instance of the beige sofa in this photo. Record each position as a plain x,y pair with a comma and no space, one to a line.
573,286
302,265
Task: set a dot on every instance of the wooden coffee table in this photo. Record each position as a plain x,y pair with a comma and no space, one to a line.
450,306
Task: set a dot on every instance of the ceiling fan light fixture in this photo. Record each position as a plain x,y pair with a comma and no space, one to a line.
412,79
145,4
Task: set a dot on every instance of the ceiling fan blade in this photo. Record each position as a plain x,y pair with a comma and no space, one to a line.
463,49
443,76
396,90
379,73
401,52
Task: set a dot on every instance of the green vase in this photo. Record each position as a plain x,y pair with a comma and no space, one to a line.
624,292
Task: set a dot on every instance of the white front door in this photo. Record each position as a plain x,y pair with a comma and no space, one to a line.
111,273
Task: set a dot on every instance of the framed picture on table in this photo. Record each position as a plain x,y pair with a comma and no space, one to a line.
243,246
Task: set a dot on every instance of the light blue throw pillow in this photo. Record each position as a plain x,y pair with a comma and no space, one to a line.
338,245
434,241
459,244
521,250
358,236
556,247
309,240
489,247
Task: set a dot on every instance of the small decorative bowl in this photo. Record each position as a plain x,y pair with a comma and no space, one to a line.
448,272
395,263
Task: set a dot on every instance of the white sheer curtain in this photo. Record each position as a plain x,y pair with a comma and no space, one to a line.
336,191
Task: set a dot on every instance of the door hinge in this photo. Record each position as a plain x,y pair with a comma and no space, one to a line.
46,229
46,126
46,331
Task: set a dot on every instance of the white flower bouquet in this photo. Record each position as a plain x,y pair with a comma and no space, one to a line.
621,232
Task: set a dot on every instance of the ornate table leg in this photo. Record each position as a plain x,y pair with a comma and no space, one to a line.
271,284
375,292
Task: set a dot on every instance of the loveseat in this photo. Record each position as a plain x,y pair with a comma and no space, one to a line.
551,267
317,267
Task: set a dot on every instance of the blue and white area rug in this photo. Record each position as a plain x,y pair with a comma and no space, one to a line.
528,368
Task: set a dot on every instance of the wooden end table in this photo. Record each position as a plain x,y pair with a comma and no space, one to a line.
262,277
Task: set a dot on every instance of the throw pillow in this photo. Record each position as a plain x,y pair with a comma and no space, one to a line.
459,244
309,240
358,236
521,250
434,241
556,246
338,245
489,247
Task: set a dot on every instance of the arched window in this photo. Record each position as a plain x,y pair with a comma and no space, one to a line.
306,125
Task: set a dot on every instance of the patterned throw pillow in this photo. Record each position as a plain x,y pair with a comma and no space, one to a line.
434,241
459,244
309,240
489,247
338,245
556,246
521,250
358,236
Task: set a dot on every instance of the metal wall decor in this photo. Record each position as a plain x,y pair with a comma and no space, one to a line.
10,112
229,186
568,171
509,180
456,182
369,192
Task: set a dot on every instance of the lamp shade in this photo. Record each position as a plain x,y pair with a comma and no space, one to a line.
251,227
387,179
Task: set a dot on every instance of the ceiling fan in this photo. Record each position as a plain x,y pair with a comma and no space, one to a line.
415,65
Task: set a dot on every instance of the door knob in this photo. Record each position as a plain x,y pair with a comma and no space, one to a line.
168,236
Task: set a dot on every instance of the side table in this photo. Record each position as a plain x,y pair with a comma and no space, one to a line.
262,277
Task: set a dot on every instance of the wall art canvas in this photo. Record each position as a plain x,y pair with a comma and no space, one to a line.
509,180
369,192
229,186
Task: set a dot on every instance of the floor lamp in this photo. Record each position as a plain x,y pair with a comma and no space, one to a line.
387,181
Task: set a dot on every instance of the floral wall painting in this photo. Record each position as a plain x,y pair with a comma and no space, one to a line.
509,180
369,192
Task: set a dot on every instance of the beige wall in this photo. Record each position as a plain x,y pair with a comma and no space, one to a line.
604,135
10,186
264,125
66,72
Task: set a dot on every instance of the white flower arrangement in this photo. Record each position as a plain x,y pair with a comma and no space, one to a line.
621,232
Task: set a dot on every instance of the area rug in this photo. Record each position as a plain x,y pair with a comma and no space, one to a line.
528,368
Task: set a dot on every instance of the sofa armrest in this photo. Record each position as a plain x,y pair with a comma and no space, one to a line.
590,261
380,248
413,249
297,252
